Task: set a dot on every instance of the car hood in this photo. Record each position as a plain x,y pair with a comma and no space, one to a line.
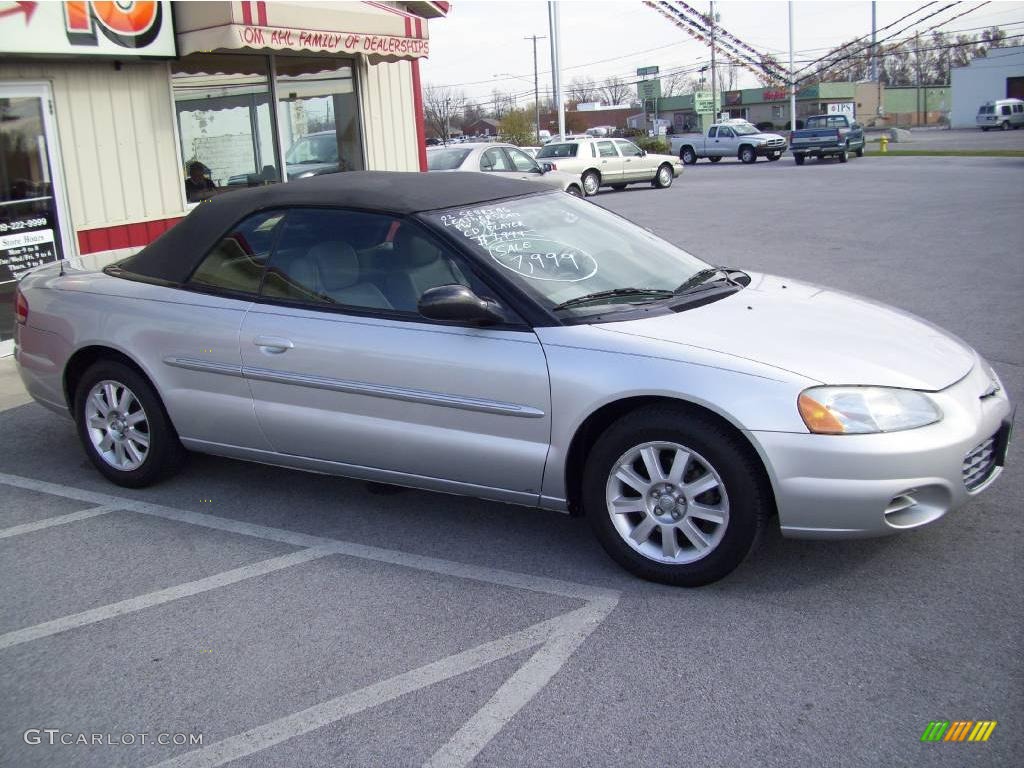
820,333
763,136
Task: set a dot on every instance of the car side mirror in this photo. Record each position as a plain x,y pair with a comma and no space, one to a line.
545,167
643,153
457,303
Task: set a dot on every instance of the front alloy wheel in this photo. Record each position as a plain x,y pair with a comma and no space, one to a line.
591,183
674,496
667,502
663,179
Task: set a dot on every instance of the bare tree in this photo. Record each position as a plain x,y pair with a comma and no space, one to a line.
502,102
442,109
583,89
615,91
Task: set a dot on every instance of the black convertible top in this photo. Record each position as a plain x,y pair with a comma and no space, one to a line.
175,254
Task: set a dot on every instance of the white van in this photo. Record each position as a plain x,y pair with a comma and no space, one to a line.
1001,113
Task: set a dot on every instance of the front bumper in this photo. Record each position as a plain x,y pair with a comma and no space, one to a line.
764,150
852,486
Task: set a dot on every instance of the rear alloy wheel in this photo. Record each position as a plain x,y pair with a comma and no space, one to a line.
688,156
843,155
591,183
672,497
663,178
748,155
123,426
574,190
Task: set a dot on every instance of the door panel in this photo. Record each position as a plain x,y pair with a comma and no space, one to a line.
609,161
469,405
632,163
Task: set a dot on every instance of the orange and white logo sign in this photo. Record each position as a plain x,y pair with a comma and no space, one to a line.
88,27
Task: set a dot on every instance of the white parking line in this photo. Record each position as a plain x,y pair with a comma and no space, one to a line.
49,522
525,683
559,637
363,551
346,705
159,597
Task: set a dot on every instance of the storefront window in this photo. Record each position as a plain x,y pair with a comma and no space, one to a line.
318,115
225,123
228,136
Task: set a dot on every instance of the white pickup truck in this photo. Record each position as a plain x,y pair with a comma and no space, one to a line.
730,138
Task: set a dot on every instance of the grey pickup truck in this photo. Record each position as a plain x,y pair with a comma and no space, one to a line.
730,138
825,135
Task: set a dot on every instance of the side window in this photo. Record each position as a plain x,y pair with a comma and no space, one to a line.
1006,109
725,133
628,148
712,133
237,262
1018,108
494,160
364,261
522,161
606,149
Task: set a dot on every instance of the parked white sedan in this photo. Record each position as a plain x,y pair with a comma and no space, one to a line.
614,163
506,160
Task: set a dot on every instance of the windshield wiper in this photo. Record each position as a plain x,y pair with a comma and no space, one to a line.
704,276
587,298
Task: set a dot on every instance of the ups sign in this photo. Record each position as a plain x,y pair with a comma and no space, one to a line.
90,28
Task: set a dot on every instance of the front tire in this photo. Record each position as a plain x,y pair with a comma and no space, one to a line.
663,177
123,426
673,497
748,155
688,156
591,183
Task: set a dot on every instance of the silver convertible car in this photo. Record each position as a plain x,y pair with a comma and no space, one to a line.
474,335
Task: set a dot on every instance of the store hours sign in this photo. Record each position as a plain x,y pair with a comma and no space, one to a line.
25,243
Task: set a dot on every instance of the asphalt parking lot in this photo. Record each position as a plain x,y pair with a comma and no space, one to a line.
303,620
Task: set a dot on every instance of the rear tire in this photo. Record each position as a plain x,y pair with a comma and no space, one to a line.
618,187
574,190
715,159
1004,126
798,159
843,156
860,151
688,156
663,177
774,156
123,426
711,530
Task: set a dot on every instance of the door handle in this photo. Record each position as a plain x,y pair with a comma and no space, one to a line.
274,345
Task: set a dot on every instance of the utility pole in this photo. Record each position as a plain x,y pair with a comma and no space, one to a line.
447,119
792,83
917,63
536,82
874,44
556,66
714,81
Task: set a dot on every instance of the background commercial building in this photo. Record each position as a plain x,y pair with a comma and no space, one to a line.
104,109
1000,75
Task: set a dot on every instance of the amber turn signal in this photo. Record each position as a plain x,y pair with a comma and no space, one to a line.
817,417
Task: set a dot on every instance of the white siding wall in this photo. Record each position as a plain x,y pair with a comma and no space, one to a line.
116,131
983,80
388,116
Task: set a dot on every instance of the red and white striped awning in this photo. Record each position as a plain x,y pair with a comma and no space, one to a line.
381,31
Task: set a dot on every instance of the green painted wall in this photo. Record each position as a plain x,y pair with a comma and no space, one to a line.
905,100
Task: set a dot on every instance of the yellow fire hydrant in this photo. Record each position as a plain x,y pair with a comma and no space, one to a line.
884,143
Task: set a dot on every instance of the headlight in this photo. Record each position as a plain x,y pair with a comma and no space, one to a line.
863,410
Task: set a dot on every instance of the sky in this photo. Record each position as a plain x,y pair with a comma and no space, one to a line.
480,46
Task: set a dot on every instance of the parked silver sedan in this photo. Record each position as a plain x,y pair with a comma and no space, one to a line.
508,160
475,335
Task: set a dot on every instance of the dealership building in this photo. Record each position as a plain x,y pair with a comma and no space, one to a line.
117,118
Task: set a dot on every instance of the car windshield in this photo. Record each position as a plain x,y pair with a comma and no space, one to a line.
313,149
446,159
744,129
558,248
558,150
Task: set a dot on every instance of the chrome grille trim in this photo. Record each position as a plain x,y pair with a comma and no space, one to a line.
979,464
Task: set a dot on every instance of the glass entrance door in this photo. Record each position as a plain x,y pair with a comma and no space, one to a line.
30,193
